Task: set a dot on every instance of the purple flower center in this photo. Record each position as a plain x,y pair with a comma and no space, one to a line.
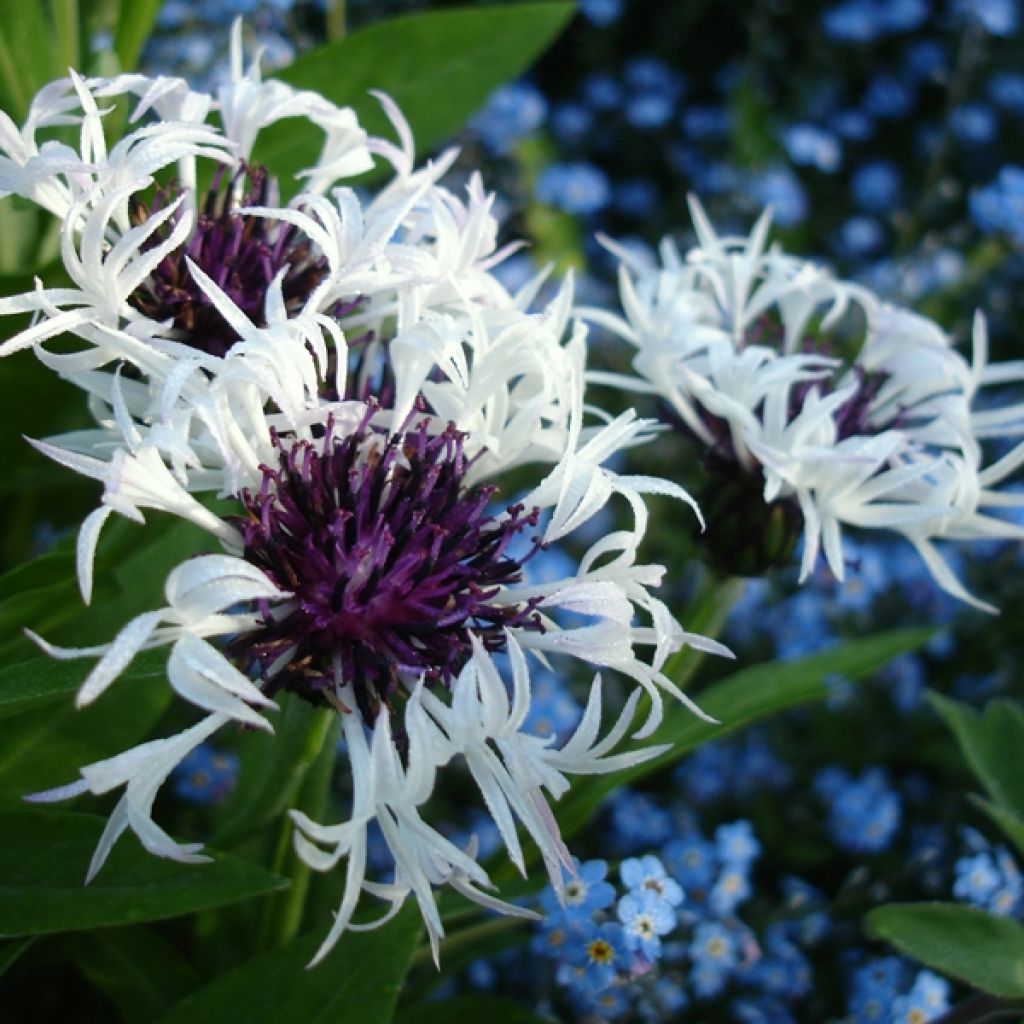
242,253
393,562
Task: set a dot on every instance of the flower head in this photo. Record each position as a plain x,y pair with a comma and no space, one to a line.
819,408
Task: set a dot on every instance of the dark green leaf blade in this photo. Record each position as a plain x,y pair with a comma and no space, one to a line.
743,698
438,66
43,861
992,742
30,684
273,769
140,971
469,1010
1012,824
27,57
47,745
12,950
134,22
359,980
963,941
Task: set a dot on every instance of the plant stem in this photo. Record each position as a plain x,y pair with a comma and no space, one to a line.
335,20
468,937
967,57
283,912
981,1008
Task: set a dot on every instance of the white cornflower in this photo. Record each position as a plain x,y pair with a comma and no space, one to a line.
349,375
365,574
819,406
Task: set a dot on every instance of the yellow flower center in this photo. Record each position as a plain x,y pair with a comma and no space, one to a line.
600,952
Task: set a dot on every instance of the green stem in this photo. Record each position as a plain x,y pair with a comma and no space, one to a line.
283,912
981,1008
66,21
335,20
468,937
967,57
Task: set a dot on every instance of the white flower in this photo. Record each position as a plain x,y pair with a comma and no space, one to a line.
353,398
743,343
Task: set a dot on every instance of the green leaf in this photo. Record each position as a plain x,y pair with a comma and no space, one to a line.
44,857
439,66
1012,824
136,968
134,23
359,980
992,742
39,681
66,27
131,568
469,1010
26,55
273,767
46,747
10,951
745,697
963,941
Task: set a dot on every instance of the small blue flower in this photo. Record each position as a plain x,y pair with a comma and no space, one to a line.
635,197
601,12
553,711
647,874
579,188
205,776
876,186
865,813
927,999
860,236
853,124
703,121
809,145
601,92
691,859
571,123
637,822
511,112
585,893
649,109
1006,88
779,188
782,969
731,888
926,59
649,74
888,97
714,954
736,844
904,681
999,206
645,917
997,17
761,1010
874,988
855,21
974,123
601,952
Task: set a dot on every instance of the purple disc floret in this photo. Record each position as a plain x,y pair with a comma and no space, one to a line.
393,562
242,254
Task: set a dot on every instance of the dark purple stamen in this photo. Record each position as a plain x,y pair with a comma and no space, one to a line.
241,253
853,417
393,562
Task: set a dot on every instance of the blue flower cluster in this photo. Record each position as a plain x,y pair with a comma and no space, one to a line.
673,937
886,991
988,876
864,813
